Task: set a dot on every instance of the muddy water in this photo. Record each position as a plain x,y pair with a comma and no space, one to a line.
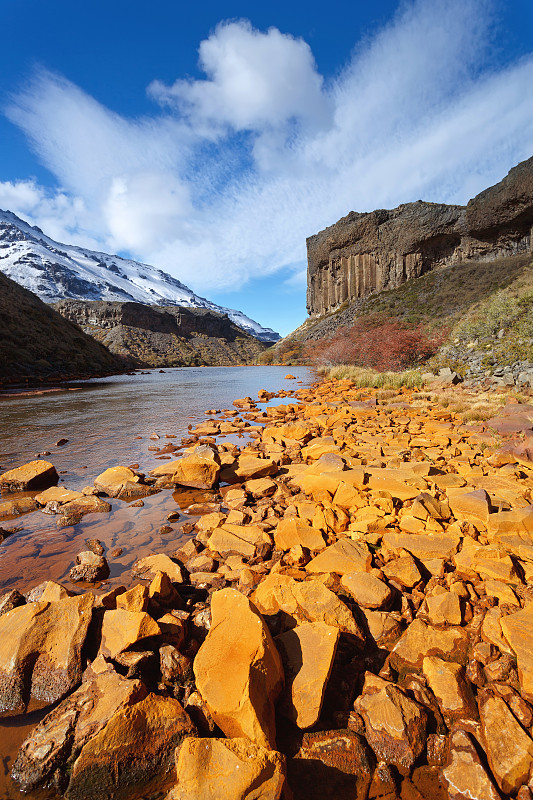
107,422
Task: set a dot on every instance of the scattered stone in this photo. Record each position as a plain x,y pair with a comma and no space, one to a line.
89,568
121,629
465,777
367,590
147,568
11,600
95,545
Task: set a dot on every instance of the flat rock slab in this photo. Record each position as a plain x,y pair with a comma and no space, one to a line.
420,640
508,746
305,601
40,651
33,475
121,629
518,631
307,653
343,557
227,769
238,670
464,774
147,568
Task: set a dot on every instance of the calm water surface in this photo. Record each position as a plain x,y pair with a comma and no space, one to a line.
102,419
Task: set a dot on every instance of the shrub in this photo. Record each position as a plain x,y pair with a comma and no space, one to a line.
376,342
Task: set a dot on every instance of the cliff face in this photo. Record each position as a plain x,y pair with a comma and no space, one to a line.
365,253
37,343
158,336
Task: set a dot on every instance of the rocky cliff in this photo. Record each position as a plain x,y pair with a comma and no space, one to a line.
38,343
164,336
369,252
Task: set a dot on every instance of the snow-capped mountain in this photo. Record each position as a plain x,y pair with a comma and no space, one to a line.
56,271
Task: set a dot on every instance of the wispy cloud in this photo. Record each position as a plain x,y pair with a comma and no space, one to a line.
231,173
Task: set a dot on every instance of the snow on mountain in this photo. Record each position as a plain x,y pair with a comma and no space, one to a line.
56,271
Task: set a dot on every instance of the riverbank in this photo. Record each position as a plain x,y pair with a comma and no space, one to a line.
364,562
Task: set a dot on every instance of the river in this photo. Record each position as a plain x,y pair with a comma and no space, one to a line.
108,422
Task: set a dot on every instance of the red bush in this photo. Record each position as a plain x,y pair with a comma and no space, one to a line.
376,342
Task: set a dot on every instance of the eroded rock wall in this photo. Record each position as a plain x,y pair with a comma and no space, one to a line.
369,252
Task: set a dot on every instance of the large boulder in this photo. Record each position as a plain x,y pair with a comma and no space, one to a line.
136,746
40,651
34,475
227,769
238,670
48,753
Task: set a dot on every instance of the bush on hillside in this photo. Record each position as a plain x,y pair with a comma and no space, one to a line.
376,342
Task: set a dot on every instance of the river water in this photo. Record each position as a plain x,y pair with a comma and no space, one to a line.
108,422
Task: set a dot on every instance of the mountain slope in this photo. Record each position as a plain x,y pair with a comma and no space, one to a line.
56,271
173,336
38,343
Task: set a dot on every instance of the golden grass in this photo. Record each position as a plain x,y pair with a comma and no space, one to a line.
369,378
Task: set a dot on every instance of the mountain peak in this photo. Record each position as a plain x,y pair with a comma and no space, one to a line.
56,271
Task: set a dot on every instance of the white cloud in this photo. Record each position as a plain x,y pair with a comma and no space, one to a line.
255,81
227,182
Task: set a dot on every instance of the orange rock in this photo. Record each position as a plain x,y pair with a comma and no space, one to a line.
136,745
336,765
447,682
423,546
147,568
65,730
121,629
367,590
307,652
227,769
113,480
404,571
57,494
508,746
33,475
14,508
135,599
305,601
518,631
470,506
515,521
40,651
342,557
395,725
200,469
464,775
444,608
249,467
292,531
241,698
420,640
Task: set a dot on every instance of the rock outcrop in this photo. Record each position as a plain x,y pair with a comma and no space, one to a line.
164,336
370,252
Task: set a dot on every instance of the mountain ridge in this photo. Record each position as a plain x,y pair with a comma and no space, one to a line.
56,271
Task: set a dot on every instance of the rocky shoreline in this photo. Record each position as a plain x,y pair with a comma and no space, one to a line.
352,616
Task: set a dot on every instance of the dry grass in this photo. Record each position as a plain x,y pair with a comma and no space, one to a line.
368,378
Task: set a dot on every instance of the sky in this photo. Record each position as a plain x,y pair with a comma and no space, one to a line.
211,139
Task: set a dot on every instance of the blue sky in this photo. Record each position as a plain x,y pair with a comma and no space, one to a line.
210,139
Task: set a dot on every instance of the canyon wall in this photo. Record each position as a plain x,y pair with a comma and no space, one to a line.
369,252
